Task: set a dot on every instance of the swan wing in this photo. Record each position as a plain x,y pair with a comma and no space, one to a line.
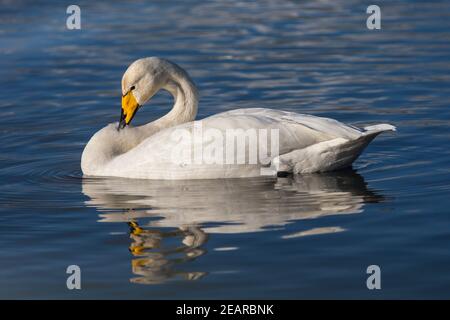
321,125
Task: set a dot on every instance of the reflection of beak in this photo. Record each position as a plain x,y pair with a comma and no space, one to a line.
129,108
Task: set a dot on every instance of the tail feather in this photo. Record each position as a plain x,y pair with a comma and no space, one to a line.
379,128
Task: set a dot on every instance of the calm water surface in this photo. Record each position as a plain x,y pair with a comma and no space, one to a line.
294,237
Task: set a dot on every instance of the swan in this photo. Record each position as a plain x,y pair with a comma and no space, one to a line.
170,147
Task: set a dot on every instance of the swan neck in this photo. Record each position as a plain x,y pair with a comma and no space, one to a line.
185,98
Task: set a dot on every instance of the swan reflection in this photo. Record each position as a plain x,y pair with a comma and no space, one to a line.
153,263
170,220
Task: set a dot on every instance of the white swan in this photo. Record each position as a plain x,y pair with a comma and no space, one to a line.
306,143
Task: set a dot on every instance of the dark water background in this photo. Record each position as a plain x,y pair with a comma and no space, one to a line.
308,237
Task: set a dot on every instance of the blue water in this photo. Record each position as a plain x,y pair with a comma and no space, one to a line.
294,237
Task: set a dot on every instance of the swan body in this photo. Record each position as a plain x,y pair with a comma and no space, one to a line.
305,143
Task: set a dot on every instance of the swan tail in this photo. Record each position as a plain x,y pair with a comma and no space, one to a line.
320,157
328,155
378,128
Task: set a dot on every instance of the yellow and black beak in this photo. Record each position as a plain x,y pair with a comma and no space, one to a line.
129,108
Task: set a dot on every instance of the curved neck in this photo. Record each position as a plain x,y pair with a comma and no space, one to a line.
185,96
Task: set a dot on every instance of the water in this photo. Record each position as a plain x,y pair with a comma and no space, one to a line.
302,237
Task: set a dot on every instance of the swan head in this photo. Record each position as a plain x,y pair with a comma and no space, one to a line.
140,82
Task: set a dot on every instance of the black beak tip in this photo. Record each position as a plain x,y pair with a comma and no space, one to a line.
121,125
122,122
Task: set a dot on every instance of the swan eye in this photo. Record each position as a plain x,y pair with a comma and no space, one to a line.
129,90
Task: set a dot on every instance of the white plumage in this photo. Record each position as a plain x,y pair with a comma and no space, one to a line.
306,143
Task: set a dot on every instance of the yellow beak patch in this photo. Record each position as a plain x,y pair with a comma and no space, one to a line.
129,106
